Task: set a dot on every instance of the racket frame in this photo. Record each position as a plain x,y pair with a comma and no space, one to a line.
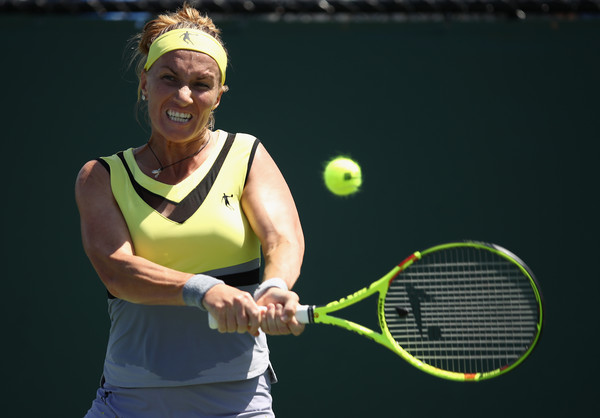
322,314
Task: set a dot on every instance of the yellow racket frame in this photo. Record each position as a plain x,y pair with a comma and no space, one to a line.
321,314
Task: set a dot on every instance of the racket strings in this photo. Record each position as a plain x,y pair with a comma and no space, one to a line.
470,310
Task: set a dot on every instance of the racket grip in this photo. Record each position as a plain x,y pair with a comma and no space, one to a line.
212,322
303,315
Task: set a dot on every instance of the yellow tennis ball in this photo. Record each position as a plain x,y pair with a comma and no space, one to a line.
342,176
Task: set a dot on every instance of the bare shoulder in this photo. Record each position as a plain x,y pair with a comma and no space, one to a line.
93,171
267,197
93,180
90,170
263,166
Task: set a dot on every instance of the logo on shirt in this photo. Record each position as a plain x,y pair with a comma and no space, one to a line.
225,200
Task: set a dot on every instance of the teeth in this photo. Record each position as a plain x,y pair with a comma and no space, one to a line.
178,117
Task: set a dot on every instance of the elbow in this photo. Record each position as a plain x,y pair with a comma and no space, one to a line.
107,272
109,281
112,288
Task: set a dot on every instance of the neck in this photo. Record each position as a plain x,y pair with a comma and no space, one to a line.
170,158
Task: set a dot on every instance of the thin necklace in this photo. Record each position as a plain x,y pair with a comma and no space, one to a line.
160,170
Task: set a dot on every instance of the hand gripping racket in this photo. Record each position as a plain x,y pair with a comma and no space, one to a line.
464,311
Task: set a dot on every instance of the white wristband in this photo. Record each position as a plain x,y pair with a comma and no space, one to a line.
196,287
264,286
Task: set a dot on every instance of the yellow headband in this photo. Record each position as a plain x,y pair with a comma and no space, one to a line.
191,39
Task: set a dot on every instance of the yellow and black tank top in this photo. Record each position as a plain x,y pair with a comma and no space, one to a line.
195,226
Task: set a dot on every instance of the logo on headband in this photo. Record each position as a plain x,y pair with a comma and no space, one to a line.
186,38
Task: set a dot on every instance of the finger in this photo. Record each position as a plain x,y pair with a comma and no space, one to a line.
253,328
231,321
268,322
222,321
295,327
248,314
241,318
282,327
255,319
273,323
289,309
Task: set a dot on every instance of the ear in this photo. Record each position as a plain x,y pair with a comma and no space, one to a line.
218,101
143,84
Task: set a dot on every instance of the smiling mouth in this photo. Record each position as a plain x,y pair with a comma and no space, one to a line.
178,117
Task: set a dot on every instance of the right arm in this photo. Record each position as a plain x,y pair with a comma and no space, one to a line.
108,245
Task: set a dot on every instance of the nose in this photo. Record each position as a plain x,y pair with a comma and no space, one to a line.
184,95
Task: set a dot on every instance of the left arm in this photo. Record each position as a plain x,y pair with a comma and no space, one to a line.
271,211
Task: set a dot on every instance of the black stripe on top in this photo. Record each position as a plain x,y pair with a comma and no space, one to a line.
182,211
245,278
104,164
251,158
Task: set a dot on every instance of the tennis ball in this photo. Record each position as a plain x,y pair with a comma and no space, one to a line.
342,176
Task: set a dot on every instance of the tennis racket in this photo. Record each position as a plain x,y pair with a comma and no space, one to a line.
463,311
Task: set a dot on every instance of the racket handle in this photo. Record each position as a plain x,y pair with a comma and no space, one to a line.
303,315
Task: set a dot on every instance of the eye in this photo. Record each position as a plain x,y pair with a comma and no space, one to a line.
168,77
201,85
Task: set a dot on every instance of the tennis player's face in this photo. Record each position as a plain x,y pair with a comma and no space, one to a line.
182,88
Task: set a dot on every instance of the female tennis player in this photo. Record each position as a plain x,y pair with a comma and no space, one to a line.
174,229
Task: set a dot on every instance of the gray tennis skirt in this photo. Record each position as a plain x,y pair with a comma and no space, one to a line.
247,398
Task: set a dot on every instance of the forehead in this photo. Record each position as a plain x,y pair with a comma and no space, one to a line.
187,61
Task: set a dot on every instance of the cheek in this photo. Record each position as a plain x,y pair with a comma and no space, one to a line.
154,97
211,97
207,102
153,108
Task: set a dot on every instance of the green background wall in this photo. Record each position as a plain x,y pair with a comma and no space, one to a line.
476,130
